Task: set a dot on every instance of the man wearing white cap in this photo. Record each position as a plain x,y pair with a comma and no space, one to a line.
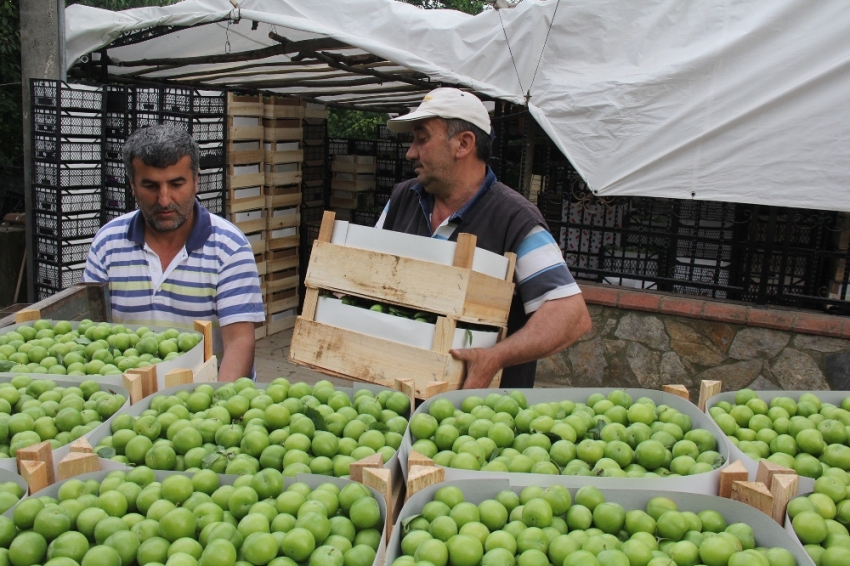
455,191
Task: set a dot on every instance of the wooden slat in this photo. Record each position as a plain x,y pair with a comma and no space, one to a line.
707,390
444,335
133,384
178,377
371,359
380,479
421,477
27,315
767,470
150,385
311,301
356,468
81,445
754,494
35,474
41,452
436,387
678,390
417,459
77,463
205,328
729,475
442,289
509,275
208,372
408,387
465,251
783,487
326,229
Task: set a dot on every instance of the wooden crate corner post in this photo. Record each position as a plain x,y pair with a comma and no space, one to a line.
35,474
178,377
729,475
82,446
707,390
150,384
133,384
355,470
78,463
755,494
420,477
784,488
27,315
677,390
204,327
208,372
41,452
380,479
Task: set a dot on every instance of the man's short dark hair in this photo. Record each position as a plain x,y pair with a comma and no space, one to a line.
483,142
160,146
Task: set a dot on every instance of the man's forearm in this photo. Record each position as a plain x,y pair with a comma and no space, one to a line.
238,357
556,325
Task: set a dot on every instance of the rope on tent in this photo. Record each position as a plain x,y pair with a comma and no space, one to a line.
543,49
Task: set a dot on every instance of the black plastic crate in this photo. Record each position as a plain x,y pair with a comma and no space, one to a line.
383,133
119,99
114,174
53,121
119,199
381,199
61,251
387,149
178,122
363,147
211,181
112,149
402,150
315,131
314,152
387,166
62,96
212,156
67,150
313,173
311,214
339,146
366,217
111,214
177,100
208,103
66,227
145,119
66,175
58,276
406,170
384,183
147,99
118,124
206,130
42,293
312,191
215,204
66,201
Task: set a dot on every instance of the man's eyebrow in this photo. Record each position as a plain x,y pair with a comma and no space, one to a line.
146,180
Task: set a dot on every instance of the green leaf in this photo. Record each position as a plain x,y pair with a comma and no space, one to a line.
469,337
317,418
495,454
82,340
105,452
210,460
6,365
406,522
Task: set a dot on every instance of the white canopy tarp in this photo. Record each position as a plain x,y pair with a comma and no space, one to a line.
738,101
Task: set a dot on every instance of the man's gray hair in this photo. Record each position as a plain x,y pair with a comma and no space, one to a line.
160,146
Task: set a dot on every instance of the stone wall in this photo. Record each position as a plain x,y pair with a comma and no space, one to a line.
648,339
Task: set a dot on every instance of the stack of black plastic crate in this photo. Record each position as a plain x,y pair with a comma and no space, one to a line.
129,108
67,144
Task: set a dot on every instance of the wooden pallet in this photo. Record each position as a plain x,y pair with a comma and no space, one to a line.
413,284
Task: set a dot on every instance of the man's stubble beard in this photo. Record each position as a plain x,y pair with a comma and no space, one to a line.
169,226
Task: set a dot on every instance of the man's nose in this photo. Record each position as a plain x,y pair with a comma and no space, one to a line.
412,153
163,196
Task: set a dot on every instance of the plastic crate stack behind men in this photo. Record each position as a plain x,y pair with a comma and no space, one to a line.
79,182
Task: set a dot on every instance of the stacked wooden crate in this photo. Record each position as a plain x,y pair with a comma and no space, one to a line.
352,184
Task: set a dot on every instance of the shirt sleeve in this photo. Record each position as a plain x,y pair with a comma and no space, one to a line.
94,271
238,297
541,272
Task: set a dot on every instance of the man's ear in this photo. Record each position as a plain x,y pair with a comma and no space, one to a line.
466,144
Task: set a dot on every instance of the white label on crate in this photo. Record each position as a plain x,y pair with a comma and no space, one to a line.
246,146
345,158
286,167
282,315
255,237
287,146
248,192
414,247
246,169
342,194
285,211
284,232
249,215
333,312
209,120
246,121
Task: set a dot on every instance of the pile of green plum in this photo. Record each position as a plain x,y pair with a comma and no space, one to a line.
821,518
35,410
805,435
240,429
130,518
540,527
46,347
610,437
10,494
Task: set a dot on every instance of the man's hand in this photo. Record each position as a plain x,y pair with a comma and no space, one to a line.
553,327
481,365
238,357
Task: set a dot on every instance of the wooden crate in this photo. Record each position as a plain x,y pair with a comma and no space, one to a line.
244,152
84,300
242,176
353,164
260,330
353,182
281,130
342,213
246,198
260,260
282,107
244,128
280,321
351,200
283,217
277,196
250,221
283,238
257,240
414,284
282,300
281,280
279,266
282,152
318,111
244,104
282,173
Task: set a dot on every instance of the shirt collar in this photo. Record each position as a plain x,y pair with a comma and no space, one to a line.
201,231
426,200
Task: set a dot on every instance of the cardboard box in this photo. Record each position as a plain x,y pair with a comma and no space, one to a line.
707,483
767,532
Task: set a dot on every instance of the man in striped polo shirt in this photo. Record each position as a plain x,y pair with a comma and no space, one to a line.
172,262
455,191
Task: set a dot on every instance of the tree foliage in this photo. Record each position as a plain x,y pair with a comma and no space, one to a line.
11,114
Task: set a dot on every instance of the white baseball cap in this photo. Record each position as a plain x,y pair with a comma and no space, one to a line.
445,103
